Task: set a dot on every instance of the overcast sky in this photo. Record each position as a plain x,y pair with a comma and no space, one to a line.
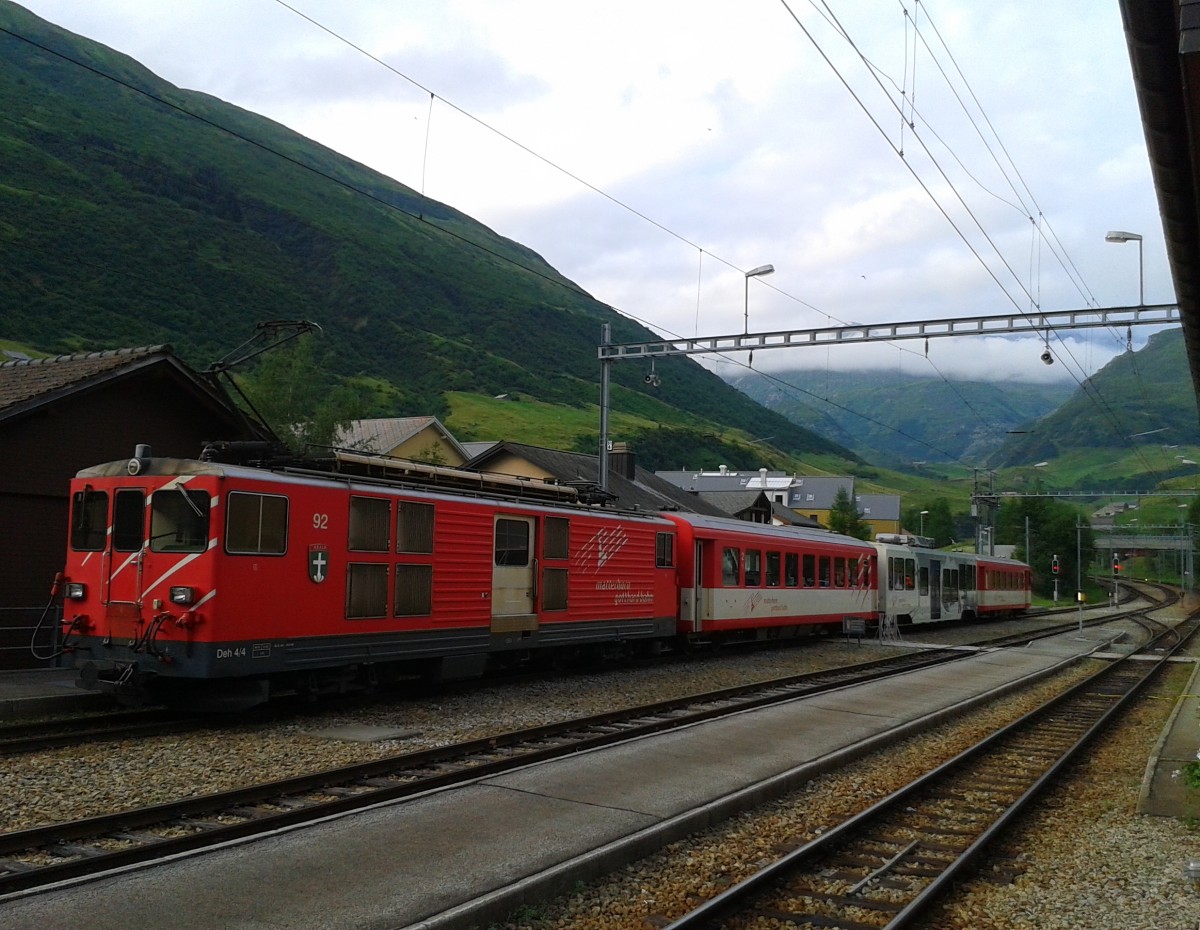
655,150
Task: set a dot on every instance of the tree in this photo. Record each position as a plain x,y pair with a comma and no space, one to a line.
937,523
844,517
1052,531
300,399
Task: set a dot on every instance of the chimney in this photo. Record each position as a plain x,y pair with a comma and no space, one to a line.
621,460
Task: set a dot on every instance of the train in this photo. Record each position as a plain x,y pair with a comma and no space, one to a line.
221,581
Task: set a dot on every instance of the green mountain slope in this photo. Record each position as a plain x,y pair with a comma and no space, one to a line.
896,420
1142,398
133,212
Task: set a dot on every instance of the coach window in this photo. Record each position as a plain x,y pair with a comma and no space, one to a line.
910,574
823,573
366,590
772,569
839,572
923,581
256,524
791,569
178,520
731,568
512,542
129,520
810,571
753,568
664,550
370,520
414,527
89,520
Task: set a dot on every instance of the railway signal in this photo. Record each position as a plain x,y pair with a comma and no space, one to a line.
1116,564
1054,565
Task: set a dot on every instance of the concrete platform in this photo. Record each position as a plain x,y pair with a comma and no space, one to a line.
524,835
42,692
1164,790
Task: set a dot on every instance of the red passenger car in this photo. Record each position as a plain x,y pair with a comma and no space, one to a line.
1005,586
756,581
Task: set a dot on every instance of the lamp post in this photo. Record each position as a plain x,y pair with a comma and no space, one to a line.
1118,236
923,513
758,272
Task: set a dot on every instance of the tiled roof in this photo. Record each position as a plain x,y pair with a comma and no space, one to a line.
732,502
878,506
644,492
383,434
24,382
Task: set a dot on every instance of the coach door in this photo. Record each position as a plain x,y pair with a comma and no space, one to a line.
935,589
513,575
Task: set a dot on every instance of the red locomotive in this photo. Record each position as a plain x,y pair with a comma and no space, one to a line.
203,582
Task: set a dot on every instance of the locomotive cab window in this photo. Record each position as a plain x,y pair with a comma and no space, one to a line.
256,524
89,520
178,520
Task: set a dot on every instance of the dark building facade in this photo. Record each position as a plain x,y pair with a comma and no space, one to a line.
58,415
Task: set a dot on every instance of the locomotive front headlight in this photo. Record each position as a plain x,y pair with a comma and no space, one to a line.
75,590
183,595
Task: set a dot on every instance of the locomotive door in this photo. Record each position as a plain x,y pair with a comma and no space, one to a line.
935,589
126,544
513,573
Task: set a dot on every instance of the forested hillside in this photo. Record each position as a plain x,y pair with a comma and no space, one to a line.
135,213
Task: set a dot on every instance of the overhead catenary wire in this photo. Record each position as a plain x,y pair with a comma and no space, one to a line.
450,232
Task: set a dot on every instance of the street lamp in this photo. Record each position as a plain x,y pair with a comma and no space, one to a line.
1118,236
758,272
923,512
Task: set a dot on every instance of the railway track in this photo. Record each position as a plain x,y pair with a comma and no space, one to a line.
128,724
75,731
884,866
42,855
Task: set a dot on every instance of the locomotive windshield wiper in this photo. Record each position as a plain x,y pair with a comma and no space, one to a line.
191,503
